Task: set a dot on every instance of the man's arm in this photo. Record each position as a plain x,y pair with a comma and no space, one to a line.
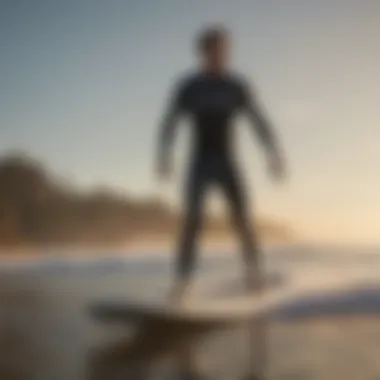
264,130
167,131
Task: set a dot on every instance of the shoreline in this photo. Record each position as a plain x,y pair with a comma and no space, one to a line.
130,248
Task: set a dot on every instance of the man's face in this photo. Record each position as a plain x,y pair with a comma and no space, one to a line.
217,54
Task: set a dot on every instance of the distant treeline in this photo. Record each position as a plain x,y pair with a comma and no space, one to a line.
36,207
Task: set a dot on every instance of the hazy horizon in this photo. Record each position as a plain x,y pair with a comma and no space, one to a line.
84,85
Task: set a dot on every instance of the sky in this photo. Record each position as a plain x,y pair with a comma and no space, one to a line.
84,84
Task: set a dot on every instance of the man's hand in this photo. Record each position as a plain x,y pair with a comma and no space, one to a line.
277,167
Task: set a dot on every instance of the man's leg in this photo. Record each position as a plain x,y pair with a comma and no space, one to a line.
240,214
258,331
186,254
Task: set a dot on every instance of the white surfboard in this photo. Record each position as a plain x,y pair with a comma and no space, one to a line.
164,329
221,311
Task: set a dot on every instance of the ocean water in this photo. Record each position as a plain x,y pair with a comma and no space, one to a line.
46,332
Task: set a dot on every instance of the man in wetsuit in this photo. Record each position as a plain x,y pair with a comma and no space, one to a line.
212,97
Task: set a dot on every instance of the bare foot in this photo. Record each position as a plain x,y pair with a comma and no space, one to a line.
255,281
178,292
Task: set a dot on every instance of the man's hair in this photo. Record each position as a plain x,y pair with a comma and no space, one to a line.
209,37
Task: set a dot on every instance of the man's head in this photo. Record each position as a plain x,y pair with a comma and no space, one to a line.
213,47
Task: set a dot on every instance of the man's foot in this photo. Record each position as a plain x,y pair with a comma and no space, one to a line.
255,281
178,292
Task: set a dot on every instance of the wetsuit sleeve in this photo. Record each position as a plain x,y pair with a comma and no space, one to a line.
174,109
250,106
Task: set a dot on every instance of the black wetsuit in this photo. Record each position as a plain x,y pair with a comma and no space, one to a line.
212,102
